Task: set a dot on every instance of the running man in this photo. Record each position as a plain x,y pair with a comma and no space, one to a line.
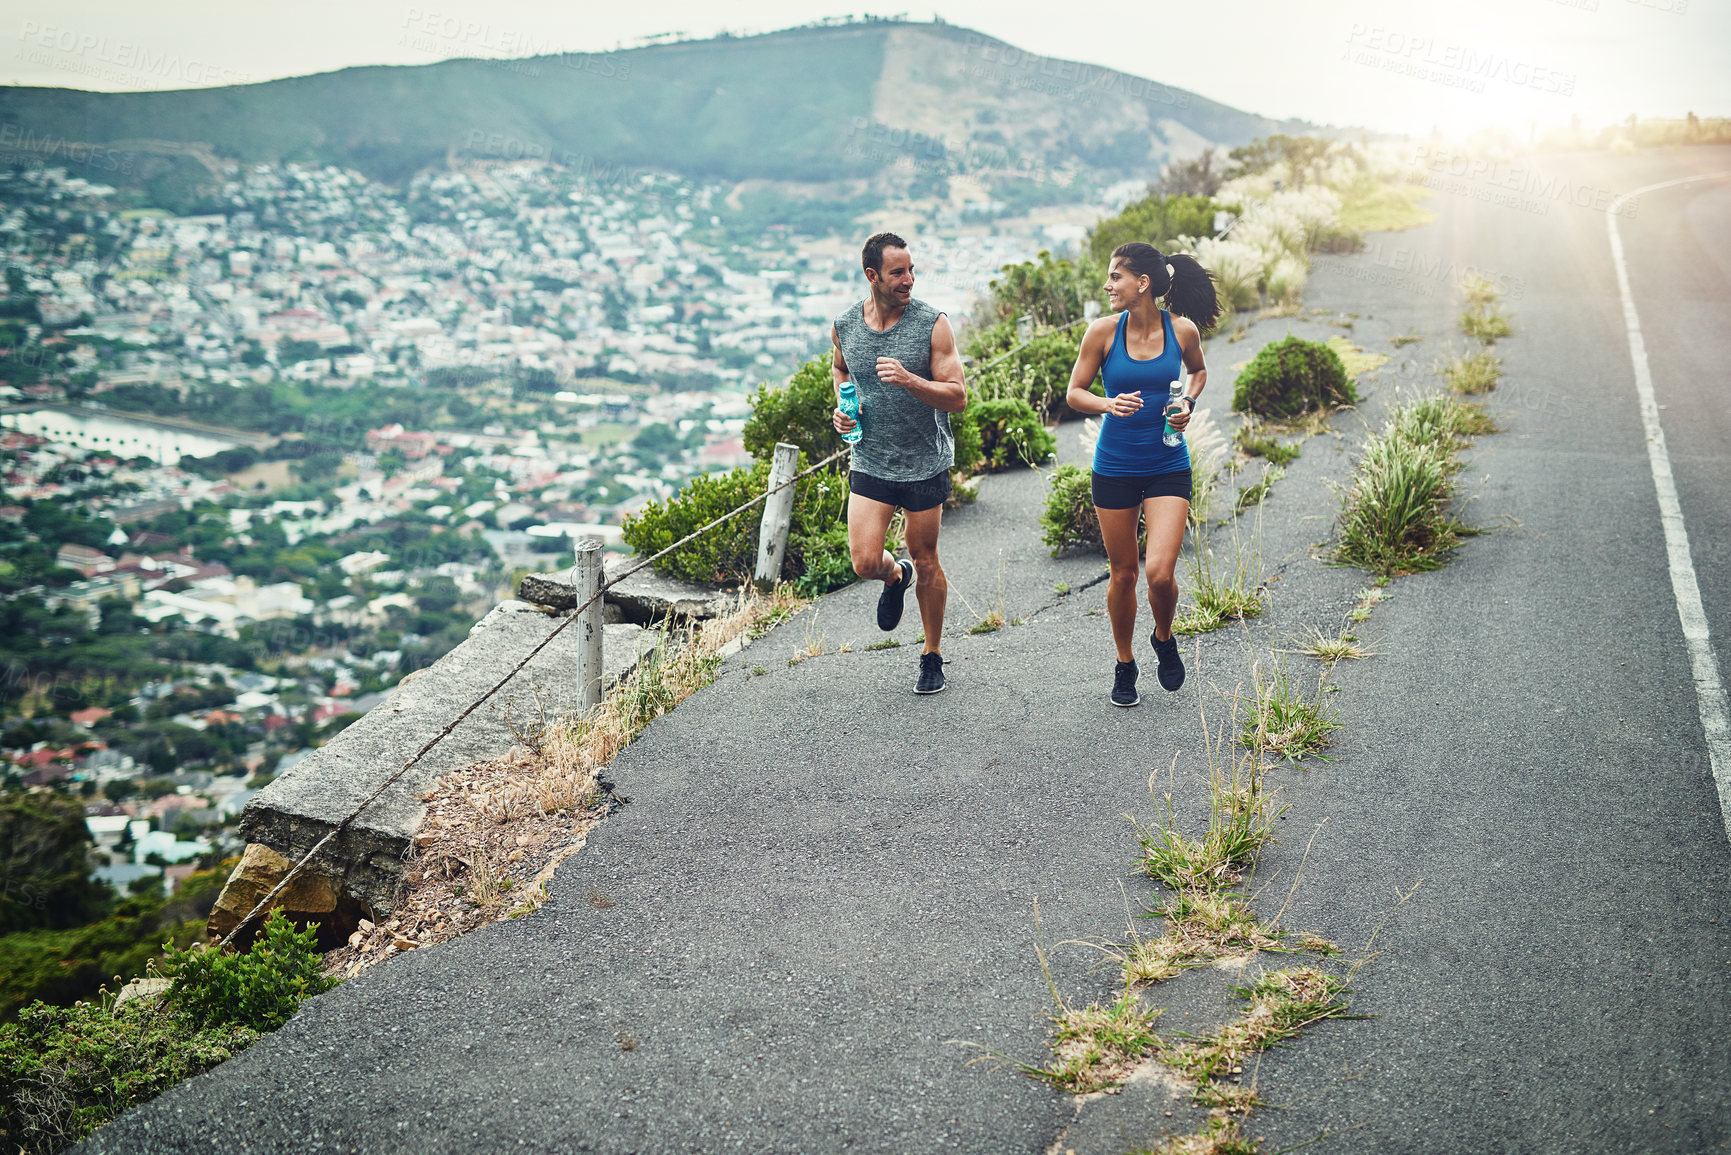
900,353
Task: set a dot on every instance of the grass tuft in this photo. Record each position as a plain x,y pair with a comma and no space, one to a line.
1253,444
1474,374
1339,647
1221,594
1403,339
1254,493
1095,1048
1282,1004
1280,719
1395,519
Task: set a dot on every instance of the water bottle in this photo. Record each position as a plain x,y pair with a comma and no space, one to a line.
848,403
1172,437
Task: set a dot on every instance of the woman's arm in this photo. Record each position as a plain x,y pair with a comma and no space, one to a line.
1095,342
1190,344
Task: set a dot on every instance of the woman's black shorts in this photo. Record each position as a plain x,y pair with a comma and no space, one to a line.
1131,492
913,496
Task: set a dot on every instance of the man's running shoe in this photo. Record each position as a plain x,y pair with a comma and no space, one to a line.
1124,685
890,601
931,674
1171,665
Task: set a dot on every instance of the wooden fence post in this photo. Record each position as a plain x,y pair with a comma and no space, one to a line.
588,581
777,517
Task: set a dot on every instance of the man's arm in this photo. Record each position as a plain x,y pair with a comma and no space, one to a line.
838,367
947,390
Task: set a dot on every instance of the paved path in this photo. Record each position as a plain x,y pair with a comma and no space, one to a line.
822,883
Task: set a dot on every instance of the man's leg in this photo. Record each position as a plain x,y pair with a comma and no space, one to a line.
930,586
868,522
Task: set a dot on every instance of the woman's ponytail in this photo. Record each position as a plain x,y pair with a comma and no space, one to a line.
1181,279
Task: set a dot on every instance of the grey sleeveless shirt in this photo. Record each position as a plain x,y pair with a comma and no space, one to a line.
903,438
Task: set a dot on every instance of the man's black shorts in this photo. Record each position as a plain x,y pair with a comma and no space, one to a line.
913,496
1131,492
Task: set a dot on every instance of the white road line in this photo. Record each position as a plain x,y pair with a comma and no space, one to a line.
1710,699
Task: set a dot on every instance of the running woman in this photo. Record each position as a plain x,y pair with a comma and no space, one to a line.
1139,351
900,353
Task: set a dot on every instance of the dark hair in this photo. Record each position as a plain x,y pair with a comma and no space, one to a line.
1188,288
872,256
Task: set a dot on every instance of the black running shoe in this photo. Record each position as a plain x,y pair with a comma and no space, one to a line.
1171,665
931,674
890,601
1124,685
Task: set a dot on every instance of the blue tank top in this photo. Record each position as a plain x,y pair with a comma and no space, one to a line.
1131,446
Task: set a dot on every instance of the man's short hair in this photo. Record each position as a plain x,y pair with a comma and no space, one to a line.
872,256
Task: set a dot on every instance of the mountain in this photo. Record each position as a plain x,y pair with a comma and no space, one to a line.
878,103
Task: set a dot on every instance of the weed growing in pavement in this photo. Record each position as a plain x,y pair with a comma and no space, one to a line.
1282,1003
1280,719
1477,373
1395,519
1437,418
1254,444
1331,648
1404,339
1368,599
1095,1048
1254,493
1221,593
886,644
1481,320
1061,588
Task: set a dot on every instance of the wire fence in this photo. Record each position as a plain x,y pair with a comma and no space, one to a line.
575,615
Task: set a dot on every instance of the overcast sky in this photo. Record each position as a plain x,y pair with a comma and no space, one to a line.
1395,65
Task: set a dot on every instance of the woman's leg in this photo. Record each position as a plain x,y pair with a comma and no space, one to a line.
1118,530
1167,518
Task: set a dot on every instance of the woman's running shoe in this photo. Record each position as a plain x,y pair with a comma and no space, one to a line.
1124,685
1171,665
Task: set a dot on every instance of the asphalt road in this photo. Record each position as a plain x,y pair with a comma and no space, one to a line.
823,887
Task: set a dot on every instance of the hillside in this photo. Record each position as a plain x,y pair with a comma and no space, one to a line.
807,104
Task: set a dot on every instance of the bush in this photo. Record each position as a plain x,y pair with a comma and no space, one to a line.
728,553
799,413
1395,519
65,1071
1009,434
1069,521
260,989
60,966
1039,373
1291,377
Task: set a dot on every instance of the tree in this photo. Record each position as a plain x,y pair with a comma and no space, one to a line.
44,869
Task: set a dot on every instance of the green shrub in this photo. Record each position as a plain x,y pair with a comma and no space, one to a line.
60,966
1039,373
1157,220
1291,377
799,413
1395,519
1009,433
728,553
824,558
1068,521
965,430
1052,291
65,1071
260,988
